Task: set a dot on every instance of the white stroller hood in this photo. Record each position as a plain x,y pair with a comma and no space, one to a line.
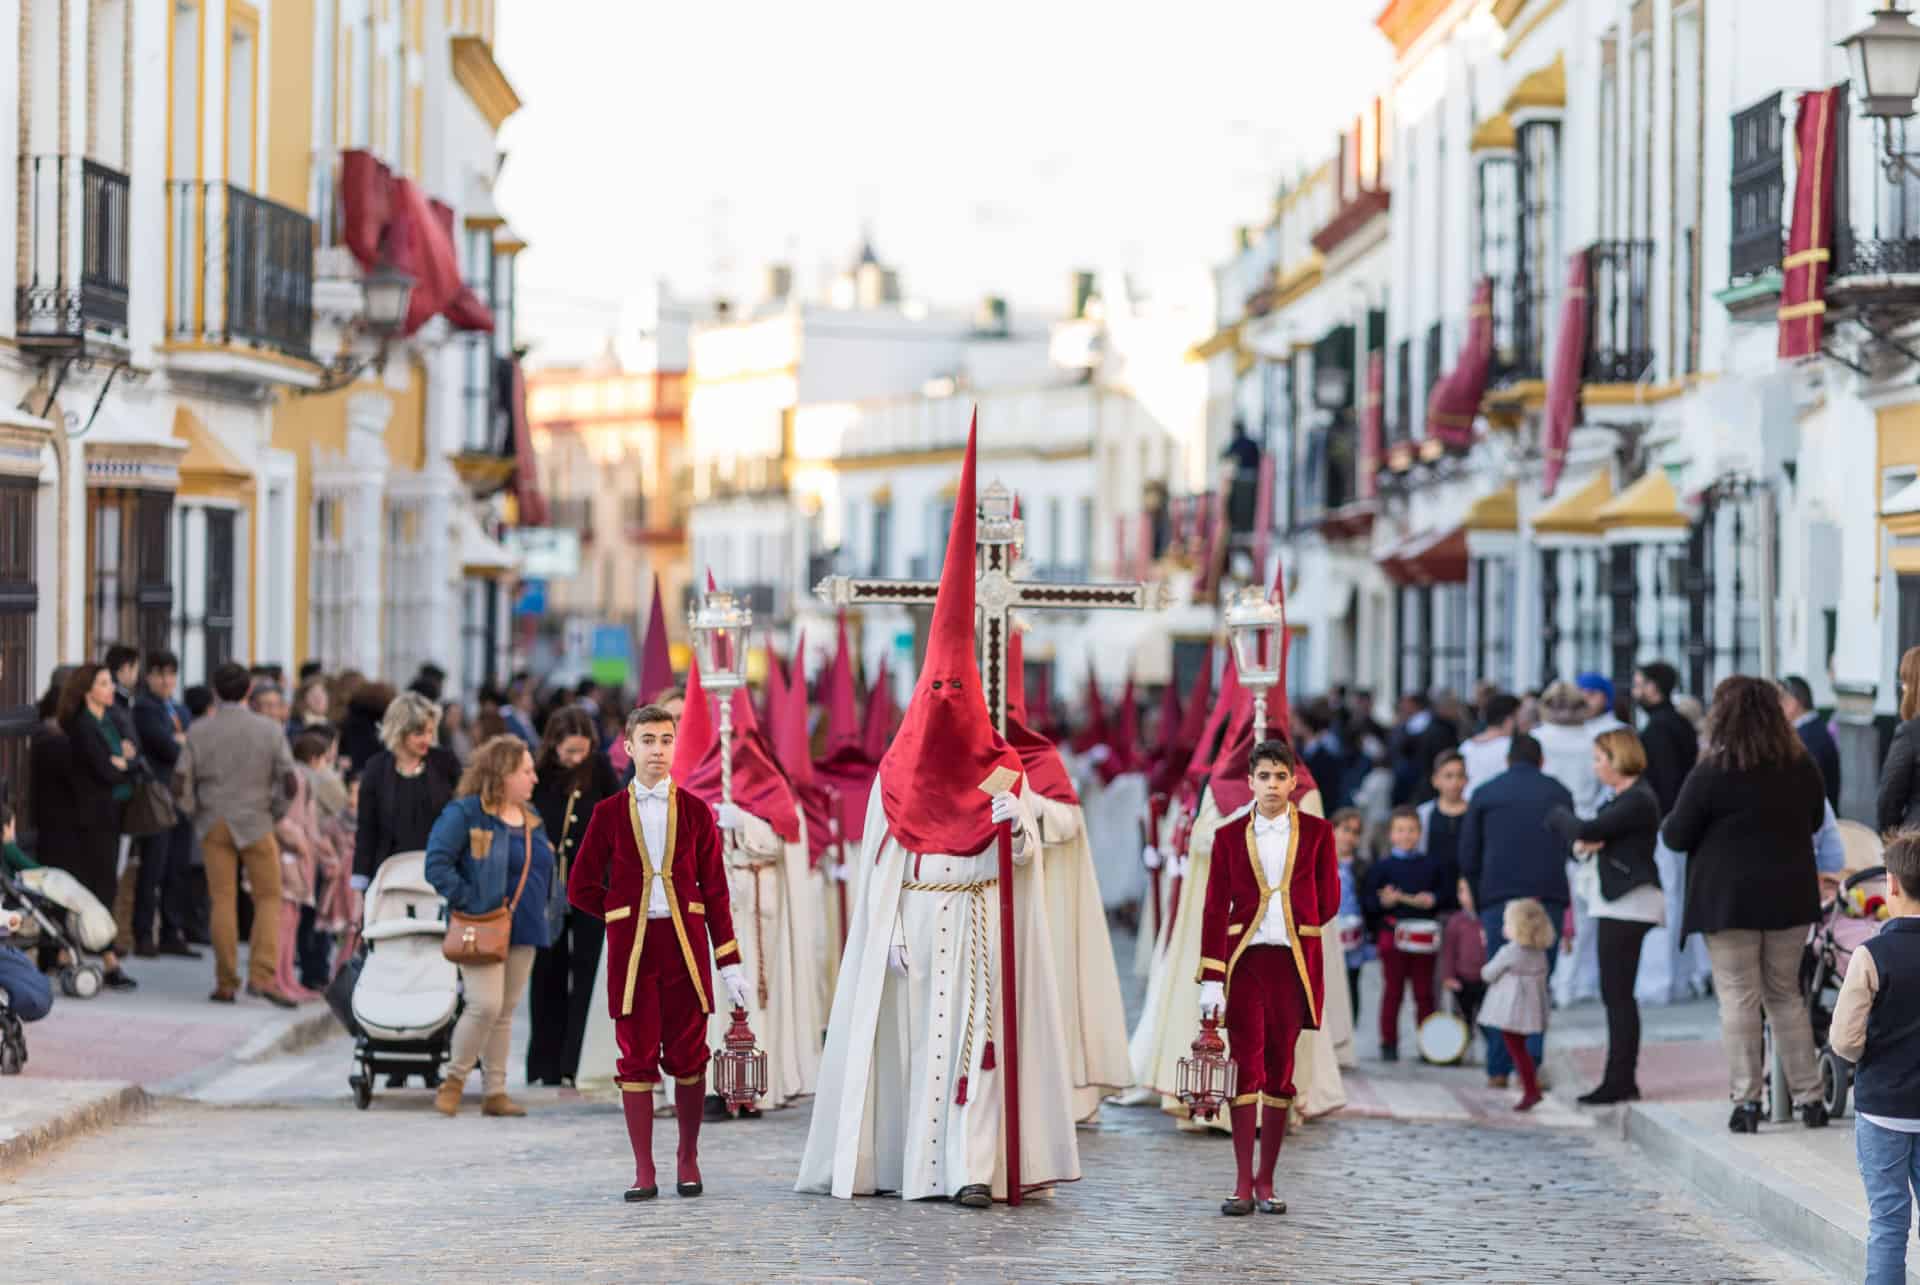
407,989
90,922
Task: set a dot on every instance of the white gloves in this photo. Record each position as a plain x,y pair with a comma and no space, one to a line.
729,816
1213,998
1099,754
897,959
1151,858
1005,808
359,883
736,984
840,873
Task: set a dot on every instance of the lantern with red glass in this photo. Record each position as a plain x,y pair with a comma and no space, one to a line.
1205,1081
739,1068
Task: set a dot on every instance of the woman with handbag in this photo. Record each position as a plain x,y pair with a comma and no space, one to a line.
488,855
83,836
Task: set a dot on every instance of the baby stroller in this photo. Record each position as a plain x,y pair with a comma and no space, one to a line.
64,924
407,994
1836,935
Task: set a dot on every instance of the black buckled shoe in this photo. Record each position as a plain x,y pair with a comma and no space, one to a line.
975,1195
1745,1118
635,1194
1237,1207
1273,1205
689,1188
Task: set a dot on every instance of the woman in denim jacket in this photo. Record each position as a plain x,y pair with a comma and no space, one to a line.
475,855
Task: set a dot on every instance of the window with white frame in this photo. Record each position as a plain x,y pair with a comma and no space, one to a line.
1538,240
329,580
1496,257
408,598
207,571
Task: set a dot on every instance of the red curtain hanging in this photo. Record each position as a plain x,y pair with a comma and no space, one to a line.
1373,406
365,205
1455,402
388,218
1563,382
1803,291
528,497
465,312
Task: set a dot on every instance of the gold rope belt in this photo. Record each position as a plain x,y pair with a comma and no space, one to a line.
978,961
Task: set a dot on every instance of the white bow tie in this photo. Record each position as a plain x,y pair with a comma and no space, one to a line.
1276,826
657,792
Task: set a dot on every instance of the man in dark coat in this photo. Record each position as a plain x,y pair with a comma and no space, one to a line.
1796,702
1668,737
165,889
1508,851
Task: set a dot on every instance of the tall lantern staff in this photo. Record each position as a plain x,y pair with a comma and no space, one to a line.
1257,624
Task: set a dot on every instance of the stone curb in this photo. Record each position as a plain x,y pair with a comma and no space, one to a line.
113,1104
293,1033
1796,1215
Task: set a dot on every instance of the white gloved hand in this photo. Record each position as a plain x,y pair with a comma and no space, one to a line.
841,873
1213,998
1151,858
359,883
1099,754
897,959
729,816
736,984
1005,808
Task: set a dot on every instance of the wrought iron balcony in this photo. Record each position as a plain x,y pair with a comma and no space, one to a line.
1757,190
240,269
76,250
1527,354
1619,329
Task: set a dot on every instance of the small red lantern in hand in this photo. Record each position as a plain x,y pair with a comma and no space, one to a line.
1205,1081
739,1068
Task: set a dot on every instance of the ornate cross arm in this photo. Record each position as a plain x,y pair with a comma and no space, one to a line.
1154,596
867,591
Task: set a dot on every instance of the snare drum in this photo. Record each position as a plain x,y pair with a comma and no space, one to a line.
1443,1038
1353,932
1417,936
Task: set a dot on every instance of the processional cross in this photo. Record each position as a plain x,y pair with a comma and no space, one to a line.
997,592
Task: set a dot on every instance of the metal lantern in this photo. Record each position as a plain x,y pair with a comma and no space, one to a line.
739,1068
1885,59
1205,1081
1257,627
389,293
720,625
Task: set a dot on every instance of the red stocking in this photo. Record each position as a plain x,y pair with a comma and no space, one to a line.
1523,1061
1243,1118
688,1101
639,1109
1273,1131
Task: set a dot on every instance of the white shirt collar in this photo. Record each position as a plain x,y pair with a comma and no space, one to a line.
1261,825
659,791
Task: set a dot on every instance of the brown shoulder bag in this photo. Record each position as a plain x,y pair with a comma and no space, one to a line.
485,939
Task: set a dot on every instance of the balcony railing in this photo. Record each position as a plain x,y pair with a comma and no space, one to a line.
1757,189
240,269
75,269
1529,328
1878,235
1619,331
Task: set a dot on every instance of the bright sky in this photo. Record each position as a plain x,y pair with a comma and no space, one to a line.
991,147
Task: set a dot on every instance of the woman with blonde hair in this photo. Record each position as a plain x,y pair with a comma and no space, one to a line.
489,850
404,787
1899,803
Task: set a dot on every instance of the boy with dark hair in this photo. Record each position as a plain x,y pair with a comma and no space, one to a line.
1669,739
1876,1024
1272,887
1402,895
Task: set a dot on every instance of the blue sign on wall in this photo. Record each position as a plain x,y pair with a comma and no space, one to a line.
532,600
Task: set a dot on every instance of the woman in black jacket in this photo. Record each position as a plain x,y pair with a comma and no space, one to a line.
405,787
573,779
1623,896
1746,818
1899,799
79,816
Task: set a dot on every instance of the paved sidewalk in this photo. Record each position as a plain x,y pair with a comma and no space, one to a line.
93,1062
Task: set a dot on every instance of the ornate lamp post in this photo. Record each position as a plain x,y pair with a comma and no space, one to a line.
1257,626
720,625
1885,61
385,294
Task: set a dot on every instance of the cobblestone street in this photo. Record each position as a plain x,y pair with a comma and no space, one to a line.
298,1184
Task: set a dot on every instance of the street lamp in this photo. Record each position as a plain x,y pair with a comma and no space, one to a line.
386,294
720,625
1257,627
1885,58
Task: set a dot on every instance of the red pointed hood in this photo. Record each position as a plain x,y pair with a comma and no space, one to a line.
843,724
656,661
1228,775
946,747
1166,725
1096,731
759,787
790,728
1186,736
1124,745
1213,731
876,729
1040,756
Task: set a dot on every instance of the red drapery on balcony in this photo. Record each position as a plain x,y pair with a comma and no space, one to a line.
1563,383
1373,408
465,312
387,217
1803,291
528,498
1455,402
365,205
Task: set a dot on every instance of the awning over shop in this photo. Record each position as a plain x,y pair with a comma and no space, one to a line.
208,469
1454,404
1577,513
1495,511
1434,556
481,556
1649,504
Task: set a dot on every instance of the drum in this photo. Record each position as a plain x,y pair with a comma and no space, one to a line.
1353,932
1443,1039
1417,936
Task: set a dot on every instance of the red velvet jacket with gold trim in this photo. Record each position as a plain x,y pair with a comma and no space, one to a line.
612,879
1238,893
